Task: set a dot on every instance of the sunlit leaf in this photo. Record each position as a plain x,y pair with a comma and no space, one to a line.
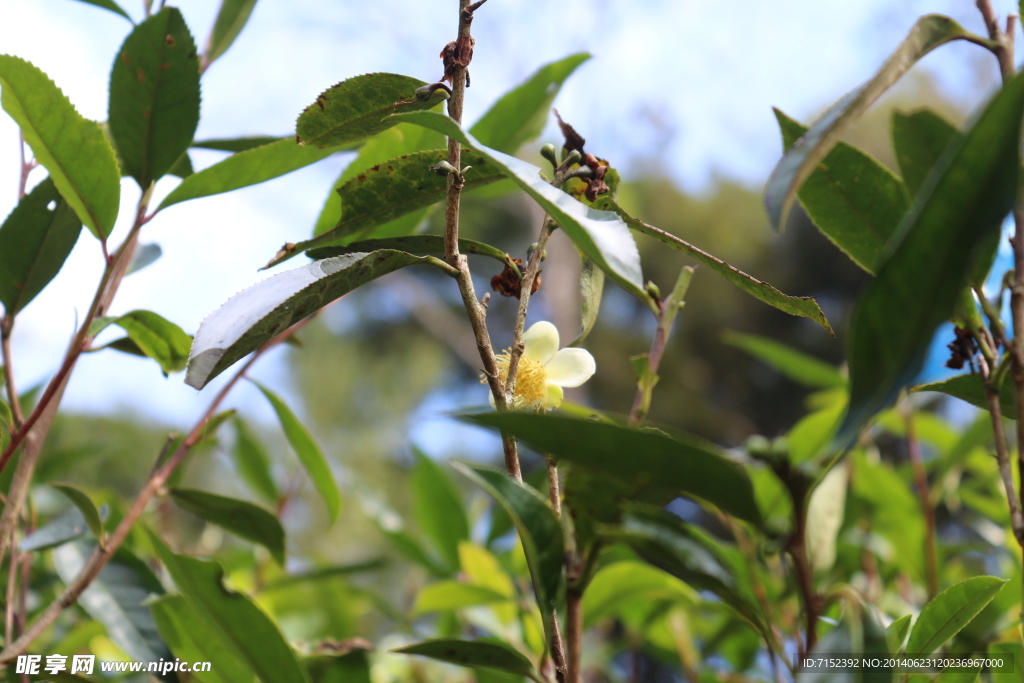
190,638
73,149
240,517
624,583
420,245
81,500
896,632
231,19
950,611
253,463
446,596
796,365
155,336
437,507
240,144
971,388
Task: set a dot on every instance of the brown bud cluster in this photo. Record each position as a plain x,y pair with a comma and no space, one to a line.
507,283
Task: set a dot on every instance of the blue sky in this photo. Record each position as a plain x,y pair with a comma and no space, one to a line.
690,82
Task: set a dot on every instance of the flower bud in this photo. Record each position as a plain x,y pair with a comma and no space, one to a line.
442,168
548,152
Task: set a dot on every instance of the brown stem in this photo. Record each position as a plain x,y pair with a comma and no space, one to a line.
804,573
525,290
9,597
574,631
924,497
6,326
554,490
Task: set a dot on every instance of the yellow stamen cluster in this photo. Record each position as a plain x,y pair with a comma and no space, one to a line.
531,381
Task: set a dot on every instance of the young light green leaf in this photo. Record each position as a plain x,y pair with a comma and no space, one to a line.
687,466
811,436
110,5
81,500
73,149
896,633
950,611
420,245
231,19
919,140
478,653
117,598
154,96
520,115
327,573
240,624
854,201
825,510
448,596
930,31
360,107
240,517
968,194
971,388
309,453
601,235
240,144
35,240
156,337
256,315
251,167
591,291
394,189
796,365
193,639
253,463
437,507
623,583
540,532
803,306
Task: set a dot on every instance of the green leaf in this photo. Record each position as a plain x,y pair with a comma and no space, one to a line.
950,611
35,240
601,235
420,245
231,20
154,96
309,453
81,501
241,144
591,291
1012,655
66,527
117,598
971,388
520,115
240,517
854,201
360,107
256,315
437,507
628,583
156,337
110,5
896,633
917,286
919,139
251,167
395,188
326,573
811,436
540,532
470,653
825,511
796,365
193,639
240,624
797,165
683,464
182,168
73,149
253,463
447,596
803,306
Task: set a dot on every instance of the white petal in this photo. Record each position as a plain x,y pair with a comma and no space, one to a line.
490,398
570,367
541,342
553,399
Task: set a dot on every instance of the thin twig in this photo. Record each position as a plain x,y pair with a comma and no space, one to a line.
931,557
525,290
6,326
574,635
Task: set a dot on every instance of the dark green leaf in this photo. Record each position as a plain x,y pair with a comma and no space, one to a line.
340,666
930,32
803,306
919,140
601,235
251,167
253,463
796,365
540,532
34,242
182,168
156,337
117,598
686,465
110,5
145,255
6,419
446,596
918,284
950,611
395,188
896,633
230,21
971,388
154,96
591,290
520,115
66,527
241,625
193,639
240,144
437,507
482,654
854,201
360,107
420,245
256,315
309,453
81,501
240,517
73,149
